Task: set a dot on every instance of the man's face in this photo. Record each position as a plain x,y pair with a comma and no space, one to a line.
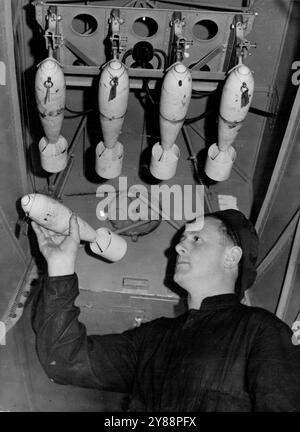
200,254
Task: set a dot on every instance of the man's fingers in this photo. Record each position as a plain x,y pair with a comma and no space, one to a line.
45,231
58,239
37,229
74,228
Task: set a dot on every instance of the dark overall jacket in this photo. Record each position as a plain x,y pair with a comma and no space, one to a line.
223,357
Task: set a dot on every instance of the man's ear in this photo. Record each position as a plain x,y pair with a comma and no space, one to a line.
233,256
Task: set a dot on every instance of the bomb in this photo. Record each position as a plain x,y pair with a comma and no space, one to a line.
54,216
235,103
174,102
50,94
113,101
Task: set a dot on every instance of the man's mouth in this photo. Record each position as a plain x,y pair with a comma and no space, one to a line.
181,262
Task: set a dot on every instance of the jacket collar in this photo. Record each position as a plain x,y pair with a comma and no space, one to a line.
220,301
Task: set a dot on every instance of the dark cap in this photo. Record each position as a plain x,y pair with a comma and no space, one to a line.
247,239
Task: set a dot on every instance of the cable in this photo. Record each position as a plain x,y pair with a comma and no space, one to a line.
159,62
77,113
204,93
198,95
148,91
157,50
200,117
74,111
126,55
262,113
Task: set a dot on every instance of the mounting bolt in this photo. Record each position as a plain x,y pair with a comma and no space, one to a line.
134,238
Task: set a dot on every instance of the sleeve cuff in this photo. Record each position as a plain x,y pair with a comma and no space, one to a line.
65,286
64,278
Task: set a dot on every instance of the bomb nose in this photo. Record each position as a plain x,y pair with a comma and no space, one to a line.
115,64
179,68
244,70
26,202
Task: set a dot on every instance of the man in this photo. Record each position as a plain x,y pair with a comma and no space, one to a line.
219,356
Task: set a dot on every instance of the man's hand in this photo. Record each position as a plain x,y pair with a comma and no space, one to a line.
59,251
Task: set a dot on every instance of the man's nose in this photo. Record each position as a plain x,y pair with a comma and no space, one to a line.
181,248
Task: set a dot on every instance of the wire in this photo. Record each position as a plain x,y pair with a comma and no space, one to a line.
159,62
126,55
157,50
148,91
200,117
203,92
77,113
262,113
199,95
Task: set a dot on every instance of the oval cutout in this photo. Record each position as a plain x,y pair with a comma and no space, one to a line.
84,24
205,29
145,27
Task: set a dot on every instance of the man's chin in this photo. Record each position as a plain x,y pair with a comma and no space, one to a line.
179,277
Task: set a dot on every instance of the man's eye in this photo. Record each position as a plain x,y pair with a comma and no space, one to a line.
197,238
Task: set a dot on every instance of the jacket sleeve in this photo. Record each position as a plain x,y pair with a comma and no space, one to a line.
67,354
274,368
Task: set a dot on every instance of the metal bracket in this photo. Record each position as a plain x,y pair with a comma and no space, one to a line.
180,43
117,41
201,62
54,39
243,45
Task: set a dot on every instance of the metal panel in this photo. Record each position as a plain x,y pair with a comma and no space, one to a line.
14,253
91,46
12,265
13,177
279,54
281,203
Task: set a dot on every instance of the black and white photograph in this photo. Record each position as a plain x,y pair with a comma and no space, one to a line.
150,209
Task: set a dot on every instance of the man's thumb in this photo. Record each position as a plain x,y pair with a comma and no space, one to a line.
74,228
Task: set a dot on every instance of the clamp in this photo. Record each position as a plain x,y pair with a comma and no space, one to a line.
116,39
